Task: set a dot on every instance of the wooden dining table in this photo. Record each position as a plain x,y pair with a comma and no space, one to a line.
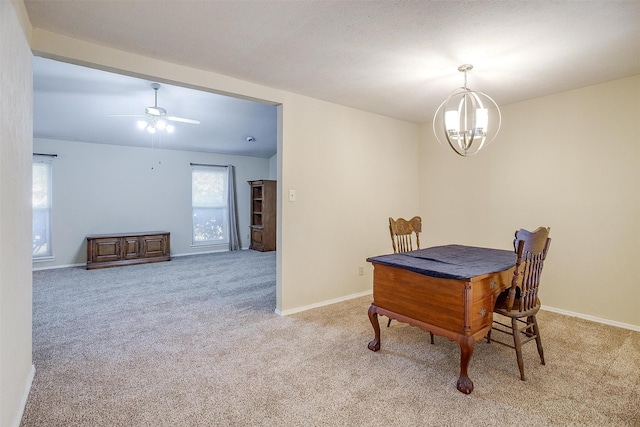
446,290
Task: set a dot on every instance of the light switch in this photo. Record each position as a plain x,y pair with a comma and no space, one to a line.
292,195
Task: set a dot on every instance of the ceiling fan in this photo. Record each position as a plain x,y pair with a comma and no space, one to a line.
155,118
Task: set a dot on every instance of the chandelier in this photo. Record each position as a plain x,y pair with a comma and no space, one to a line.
467,120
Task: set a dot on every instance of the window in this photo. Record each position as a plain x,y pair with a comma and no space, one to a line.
41,206
209,205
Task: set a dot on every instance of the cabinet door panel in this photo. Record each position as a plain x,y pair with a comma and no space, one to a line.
131,247
154,246
256,239
106,250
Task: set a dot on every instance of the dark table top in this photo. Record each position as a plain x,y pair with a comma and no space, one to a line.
450,261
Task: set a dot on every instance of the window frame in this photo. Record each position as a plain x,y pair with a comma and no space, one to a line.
197,205
47,208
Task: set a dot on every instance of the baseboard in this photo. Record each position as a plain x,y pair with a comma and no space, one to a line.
82,264
53,267
360,294
547,308
211,251
25,397
592,318
322,303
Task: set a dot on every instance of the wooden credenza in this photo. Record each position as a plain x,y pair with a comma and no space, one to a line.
111,250
263,215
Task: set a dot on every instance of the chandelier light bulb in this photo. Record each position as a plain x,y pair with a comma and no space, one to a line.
482,119
452,120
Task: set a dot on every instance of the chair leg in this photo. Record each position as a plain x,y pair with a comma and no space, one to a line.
518,346
536,330
389,323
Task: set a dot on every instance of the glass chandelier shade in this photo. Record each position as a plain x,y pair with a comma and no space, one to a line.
467,120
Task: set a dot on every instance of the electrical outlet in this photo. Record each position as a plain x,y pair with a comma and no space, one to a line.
361,271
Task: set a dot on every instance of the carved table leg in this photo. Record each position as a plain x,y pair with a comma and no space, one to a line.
373,317
465,384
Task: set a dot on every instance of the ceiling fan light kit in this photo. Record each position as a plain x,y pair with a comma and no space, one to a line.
156,119
155,125
467,120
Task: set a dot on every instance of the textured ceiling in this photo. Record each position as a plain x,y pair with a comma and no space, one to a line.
398,59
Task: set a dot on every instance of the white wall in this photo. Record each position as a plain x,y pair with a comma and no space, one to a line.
351,171
273,167
99,188
570,161
15,211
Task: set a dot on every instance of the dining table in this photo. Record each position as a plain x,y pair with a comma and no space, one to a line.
447,290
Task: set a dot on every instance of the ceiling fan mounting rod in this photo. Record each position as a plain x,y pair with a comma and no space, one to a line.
155,87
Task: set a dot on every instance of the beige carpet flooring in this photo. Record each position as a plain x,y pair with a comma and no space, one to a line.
195,342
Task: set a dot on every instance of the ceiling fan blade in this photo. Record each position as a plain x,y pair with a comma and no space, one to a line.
156,114
182,120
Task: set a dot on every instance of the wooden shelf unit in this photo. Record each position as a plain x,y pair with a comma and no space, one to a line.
263,215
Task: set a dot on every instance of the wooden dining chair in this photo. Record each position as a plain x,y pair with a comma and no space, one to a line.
403,235
520,302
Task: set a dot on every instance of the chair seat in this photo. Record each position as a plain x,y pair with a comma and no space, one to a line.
501,306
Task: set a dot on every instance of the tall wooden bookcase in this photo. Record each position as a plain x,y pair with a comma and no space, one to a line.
263,215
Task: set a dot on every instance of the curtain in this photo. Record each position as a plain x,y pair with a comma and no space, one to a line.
234,243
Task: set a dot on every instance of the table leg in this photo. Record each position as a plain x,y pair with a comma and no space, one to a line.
373,317
465,385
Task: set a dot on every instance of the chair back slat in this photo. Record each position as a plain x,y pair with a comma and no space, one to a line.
404,232
531,250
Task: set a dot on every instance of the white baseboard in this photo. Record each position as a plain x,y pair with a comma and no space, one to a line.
25,397
322,303
547,308
211,251
592,318
52,267
360,294
82,264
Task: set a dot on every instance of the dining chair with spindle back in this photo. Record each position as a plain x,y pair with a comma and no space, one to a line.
520,302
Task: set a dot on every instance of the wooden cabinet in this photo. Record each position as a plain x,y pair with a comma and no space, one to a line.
110,250
263,215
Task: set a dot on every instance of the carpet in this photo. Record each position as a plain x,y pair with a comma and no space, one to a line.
195,342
